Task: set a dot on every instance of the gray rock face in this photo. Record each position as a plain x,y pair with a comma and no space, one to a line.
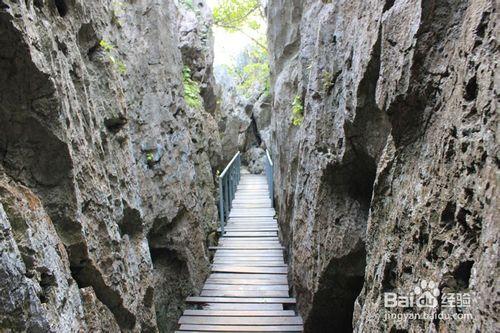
243,122
98,147
391,177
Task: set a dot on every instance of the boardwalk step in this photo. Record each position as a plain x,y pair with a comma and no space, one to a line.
230,328
263,300
247,281
248,269
243,306
244,293
209,286
243,313
287,320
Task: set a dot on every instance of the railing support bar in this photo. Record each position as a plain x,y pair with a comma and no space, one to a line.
228,183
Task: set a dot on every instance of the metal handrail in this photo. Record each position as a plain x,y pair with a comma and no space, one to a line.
269,169
228,182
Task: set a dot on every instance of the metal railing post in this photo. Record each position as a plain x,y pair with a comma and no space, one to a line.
221,207
228,184
269,166
226,199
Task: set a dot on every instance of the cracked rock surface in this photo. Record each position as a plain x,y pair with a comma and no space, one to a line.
106,175
391,178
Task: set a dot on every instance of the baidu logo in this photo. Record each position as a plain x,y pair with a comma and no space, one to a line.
424,295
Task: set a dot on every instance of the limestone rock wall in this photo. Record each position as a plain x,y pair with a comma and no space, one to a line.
106,184
391,178
244,121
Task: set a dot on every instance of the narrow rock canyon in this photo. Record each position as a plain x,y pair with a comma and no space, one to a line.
115,123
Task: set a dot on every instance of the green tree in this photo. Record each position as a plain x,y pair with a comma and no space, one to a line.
255,73
240,15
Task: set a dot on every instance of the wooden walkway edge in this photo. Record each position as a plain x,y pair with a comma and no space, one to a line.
247,290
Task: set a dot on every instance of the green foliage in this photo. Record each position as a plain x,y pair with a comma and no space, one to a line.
234,15
255,74
188,4
105,45
150,157
297,111
109,49
191,90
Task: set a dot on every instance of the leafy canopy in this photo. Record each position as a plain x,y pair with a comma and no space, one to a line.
234,15
252,73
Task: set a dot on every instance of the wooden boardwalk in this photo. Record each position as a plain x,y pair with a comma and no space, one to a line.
247,290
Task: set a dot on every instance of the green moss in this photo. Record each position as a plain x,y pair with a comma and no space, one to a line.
297,111
327,80
191,90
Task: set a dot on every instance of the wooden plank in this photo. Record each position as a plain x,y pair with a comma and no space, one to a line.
252,204
249,242
247,276
251,227
256,255
249,238
253,224
272,257
255,247
209,286
244,293
263,300
252,211
226,243
231,328
250,264
250,252
249,260
249,269
250,219
266,212
241,313
243,306
270,234
256,223
262,276
233,246
243,282
240,320
247,219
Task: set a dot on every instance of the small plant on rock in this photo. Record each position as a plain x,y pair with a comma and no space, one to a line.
191,90
108,48
297,111
150,158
